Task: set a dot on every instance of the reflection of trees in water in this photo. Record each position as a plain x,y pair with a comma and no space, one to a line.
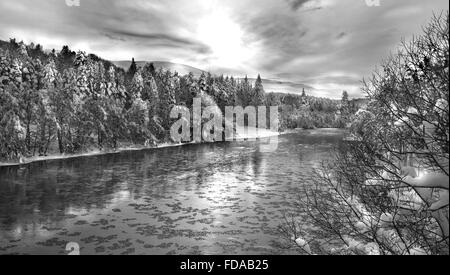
209,175
257,160
55,186
88,183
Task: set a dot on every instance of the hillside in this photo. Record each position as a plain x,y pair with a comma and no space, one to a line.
285,87
275,86
174,67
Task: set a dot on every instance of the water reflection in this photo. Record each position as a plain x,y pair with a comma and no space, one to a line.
197,199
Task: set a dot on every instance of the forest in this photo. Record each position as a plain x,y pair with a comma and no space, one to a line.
66,102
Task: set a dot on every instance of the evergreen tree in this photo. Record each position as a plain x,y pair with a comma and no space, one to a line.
345,107
304,98
188,90
47,116
203,83
65,58
258,97
132,69
151,69
304,93
244,93
345,101
151,95
167,99
28,77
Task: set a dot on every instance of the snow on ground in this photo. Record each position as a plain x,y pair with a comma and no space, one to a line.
87,154
252,133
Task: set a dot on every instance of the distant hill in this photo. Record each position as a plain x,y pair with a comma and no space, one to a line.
3,44
284,87
269,85
174,67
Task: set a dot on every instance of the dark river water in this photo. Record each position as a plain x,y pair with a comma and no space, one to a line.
226,198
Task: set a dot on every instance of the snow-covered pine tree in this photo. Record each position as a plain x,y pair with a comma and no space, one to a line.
167,99
244,92
258,97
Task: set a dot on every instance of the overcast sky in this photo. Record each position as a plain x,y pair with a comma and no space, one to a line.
328,44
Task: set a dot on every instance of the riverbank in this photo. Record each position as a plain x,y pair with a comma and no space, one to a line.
251,134
86,154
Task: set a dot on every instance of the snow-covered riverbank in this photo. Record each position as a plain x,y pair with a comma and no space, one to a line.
87,154
251,134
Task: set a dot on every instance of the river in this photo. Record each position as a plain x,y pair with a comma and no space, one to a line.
224,198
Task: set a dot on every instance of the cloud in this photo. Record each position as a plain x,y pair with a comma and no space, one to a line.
345,38
308,5
328,44
160,39
296,4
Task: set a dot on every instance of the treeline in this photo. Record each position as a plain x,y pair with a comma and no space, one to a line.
70,102
308,112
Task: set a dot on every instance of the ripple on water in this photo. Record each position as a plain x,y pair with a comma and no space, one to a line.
200,199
